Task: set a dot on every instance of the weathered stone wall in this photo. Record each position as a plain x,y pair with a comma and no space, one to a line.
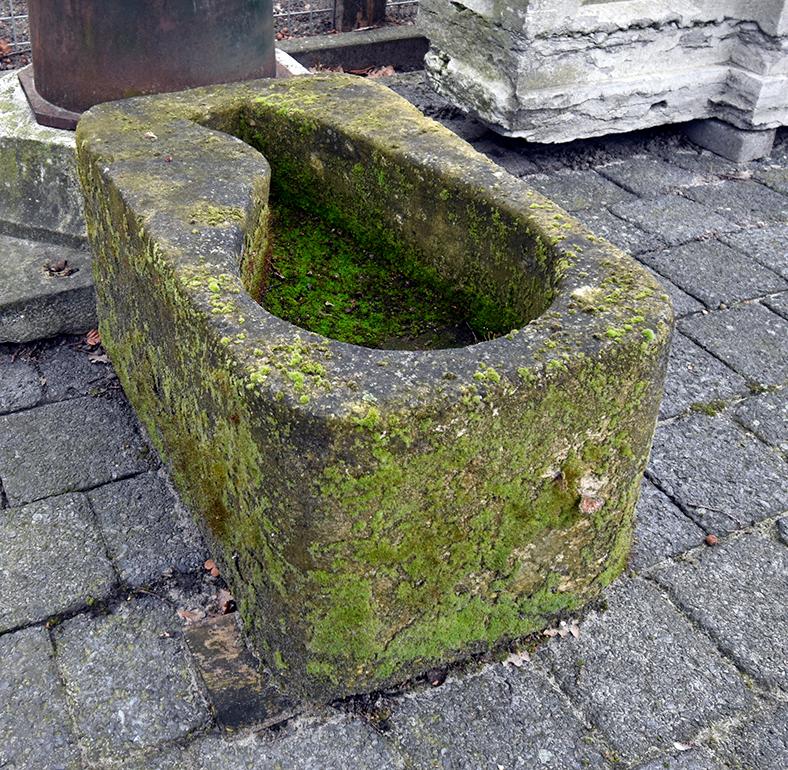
555,70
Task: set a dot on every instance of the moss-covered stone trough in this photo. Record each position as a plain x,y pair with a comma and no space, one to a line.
375,510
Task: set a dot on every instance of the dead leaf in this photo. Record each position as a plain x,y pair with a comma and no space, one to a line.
682,746
93,338
225,602
190,616
589,505
517,659
210,566
382,72
150,135
436,676
711,539
5,48
98,358
59,268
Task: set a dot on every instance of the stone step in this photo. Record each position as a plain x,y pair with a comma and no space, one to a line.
37,301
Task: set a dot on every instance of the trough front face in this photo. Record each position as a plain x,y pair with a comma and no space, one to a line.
376,511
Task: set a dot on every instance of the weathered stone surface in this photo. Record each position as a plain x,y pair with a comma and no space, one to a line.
750,339
130,679
661,529
501,717
649,177
742,201
146,529
338,744
747,618
767,245
775,177
676,220
39,190
761,743
52,560
694,759
35,303
69,373
778,303
623,234
63,447
696,379
643,674
714,273
767,417
35,726
722,476
555,71
352,579
575,190
20,384
782,529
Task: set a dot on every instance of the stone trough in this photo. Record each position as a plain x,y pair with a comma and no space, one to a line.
387,504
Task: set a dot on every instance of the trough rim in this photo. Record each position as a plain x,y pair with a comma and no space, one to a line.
589,261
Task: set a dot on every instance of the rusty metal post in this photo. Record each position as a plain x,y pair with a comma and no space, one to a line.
91,51
353,14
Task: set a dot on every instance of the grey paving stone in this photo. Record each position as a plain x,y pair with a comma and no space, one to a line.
579,189
619,232
778,303
720,475
761,744
69,373
695,377
68,447
35,729
130,679
749,338
20,384
736,144
339,744
146,529
714,273
643,674
703,162
767,245
683,304
737,592
742,201
52,560
497,718
774,177
34,304
661,529
767,417
674,219
650,177
516,163
694,759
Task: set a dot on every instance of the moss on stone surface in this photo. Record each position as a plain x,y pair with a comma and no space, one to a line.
375,511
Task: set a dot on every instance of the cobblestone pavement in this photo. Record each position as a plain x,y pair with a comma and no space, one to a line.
686,666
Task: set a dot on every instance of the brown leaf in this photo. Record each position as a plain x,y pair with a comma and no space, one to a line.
517,659
225,602
711,539
93,338
209,565
215,572
5,48
382,72
589,505
190,616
